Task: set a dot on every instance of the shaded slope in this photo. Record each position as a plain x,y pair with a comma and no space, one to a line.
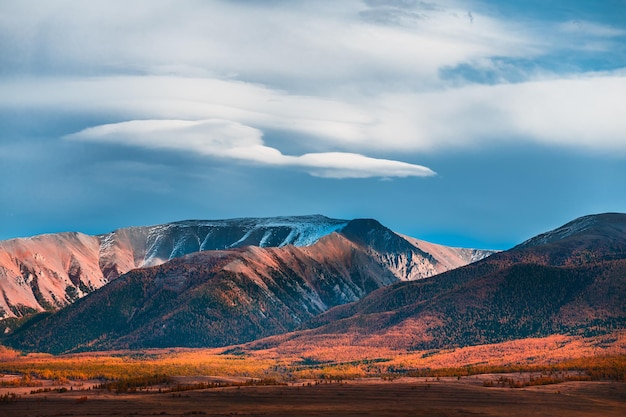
574,284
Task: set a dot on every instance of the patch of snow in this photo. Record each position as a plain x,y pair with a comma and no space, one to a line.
480,254
243,238
265,238
205,242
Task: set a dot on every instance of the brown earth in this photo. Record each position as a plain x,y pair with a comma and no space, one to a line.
405,397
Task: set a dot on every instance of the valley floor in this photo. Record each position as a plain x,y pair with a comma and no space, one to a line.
366,397
554,376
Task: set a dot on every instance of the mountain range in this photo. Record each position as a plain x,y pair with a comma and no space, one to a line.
358,282
49,272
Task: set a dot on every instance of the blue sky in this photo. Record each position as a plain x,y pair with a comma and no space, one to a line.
467,123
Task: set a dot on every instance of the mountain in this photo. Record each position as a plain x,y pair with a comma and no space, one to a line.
224,297
570,281
48,272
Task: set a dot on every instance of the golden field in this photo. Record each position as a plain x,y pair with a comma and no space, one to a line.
596,358
557,375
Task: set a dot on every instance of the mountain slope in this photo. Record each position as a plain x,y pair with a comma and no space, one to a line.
217,298
50,271
47,271
558,283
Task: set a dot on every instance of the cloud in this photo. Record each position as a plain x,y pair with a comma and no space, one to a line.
161,97
352,76
584,112
301,46
228,139
349,165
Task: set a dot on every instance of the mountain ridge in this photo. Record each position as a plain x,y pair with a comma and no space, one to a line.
573,283
51,271
217,298
349,285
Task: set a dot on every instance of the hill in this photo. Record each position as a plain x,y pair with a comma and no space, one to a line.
570,281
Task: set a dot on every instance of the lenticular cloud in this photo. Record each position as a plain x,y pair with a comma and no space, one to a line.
228,139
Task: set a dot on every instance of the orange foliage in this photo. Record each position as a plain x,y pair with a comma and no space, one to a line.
593,358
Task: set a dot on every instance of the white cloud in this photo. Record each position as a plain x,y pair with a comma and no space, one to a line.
308,47
349,165
206,137
160,97
227,139
351,76
587,112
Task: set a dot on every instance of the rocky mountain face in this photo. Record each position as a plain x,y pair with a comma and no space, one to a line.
48,272
223,297
568,281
